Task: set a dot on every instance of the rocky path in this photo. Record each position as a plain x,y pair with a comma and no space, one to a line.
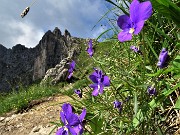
35,121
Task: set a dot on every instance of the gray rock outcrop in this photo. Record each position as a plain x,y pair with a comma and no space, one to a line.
58,73
22,66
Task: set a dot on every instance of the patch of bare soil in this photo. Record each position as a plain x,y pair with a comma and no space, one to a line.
36,118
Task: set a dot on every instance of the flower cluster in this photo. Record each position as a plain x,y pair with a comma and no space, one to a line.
72,122
100,81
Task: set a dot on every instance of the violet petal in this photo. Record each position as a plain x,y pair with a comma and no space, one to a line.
72,119
95,89
124,36
140,11
70,74
138,27
82,115
94,77
162,58
61,131
106,81
63,119
67,108
124,22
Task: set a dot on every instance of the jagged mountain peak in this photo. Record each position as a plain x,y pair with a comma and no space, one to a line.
22,65
57,31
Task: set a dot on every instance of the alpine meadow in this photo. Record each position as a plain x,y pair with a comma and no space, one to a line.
124,82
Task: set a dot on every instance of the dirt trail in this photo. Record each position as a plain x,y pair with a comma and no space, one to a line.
36,121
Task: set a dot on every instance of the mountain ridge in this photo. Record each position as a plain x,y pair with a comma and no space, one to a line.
22,66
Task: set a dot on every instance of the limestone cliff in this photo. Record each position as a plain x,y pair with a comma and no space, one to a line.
21,65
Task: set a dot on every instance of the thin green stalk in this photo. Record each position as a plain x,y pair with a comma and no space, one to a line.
149,44
116,91
118,7
159,31
144,58
82,73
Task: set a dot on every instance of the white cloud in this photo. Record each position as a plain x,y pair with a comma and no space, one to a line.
28,35
75,15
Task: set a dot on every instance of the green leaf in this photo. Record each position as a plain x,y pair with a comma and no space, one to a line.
176,62
161,71
159,131
168,9
168,92
92,98
96,124
177,105
135,103
155,102
155,74
149,68
138,118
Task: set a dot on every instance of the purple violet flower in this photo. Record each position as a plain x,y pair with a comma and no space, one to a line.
151,90
90,49
72,122
71,69
162,58
139,13
78,92
135,49
118,105
100,81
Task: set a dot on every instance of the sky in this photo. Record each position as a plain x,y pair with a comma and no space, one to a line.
77,16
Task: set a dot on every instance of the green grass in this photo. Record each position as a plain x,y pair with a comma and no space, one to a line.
18,101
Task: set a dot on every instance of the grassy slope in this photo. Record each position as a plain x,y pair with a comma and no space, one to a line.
20,100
